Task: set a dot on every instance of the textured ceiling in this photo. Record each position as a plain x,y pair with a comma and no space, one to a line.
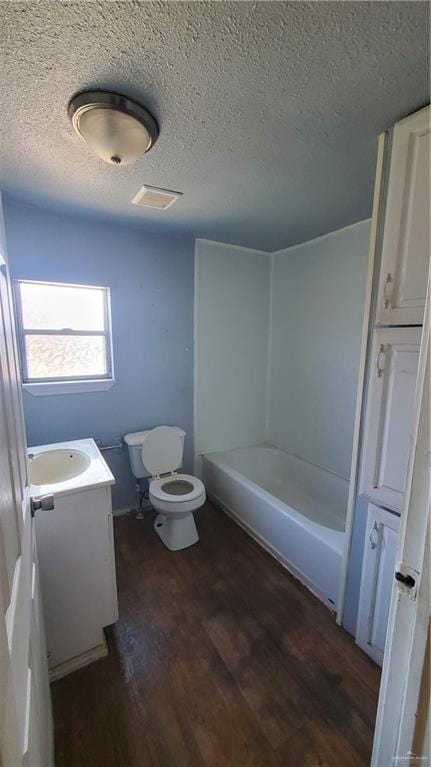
269,112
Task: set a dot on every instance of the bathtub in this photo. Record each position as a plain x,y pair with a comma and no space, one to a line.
294,509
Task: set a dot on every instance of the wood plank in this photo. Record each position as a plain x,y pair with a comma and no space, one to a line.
219,658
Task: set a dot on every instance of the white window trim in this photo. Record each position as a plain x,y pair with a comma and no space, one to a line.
41,388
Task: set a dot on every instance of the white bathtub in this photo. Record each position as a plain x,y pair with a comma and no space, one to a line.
294,509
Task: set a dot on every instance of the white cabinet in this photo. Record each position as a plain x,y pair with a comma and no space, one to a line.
406,236
393,364
78,584
392,381
378,570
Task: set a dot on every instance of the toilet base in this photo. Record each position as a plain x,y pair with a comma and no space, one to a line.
176,534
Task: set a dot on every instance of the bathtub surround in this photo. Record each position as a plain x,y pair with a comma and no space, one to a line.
277,339
151,281
231,346
318,293
300,342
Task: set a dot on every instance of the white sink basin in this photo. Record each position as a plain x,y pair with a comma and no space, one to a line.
53,466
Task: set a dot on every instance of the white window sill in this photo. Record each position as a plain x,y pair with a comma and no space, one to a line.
41,388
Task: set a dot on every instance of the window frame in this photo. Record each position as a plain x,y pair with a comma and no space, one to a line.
64,384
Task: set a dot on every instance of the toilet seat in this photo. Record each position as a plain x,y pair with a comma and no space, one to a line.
157,488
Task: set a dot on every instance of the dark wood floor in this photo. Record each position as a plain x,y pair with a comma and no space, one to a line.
219,659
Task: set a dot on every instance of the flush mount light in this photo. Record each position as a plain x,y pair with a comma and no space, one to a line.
116,128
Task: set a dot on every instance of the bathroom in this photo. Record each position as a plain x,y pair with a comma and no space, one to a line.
213,412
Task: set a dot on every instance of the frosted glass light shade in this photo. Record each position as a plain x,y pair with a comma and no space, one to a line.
115,128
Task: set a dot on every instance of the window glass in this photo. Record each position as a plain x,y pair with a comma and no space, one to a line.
64,331
53,307
65,356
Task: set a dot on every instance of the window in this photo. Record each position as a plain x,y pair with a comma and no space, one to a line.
65,336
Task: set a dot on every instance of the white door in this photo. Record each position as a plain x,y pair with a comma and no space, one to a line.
393,373
401,730
25,708
378,569
406,236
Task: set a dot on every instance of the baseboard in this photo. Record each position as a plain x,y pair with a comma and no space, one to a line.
122,511
130,509
78,661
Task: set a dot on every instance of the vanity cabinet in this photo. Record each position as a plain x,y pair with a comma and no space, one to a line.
378,569
392,381
406,233
77,566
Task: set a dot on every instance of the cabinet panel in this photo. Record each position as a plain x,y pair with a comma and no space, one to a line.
406,238
77,569
394,363
378,571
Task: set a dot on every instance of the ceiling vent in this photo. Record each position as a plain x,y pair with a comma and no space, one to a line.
152,197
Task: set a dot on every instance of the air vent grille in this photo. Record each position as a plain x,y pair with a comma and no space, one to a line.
152,197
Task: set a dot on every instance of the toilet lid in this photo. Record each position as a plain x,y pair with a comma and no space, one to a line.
162,450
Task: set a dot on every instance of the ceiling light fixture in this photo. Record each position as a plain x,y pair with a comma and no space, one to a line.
116,128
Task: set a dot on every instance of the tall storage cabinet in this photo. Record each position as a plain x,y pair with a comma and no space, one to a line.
393,363
406,237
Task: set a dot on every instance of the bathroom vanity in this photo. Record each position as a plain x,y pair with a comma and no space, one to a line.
76,551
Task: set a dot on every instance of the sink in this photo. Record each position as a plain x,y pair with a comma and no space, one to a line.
53,466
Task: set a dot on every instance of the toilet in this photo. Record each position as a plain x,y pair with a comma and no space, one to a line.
158,453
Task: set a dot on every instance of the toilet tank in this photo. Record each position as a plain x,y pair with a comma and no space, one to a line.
134,442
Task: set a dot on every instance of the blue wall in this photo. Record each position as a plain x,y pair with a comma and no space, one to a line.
152,286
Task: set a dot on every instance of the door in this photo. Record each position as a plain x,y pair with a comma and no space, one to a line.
25,711
393,372
376,583
401,727
406,236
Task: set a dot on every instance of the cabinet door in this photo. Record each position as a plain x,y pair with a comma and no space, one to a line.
406,237
378,568
392,380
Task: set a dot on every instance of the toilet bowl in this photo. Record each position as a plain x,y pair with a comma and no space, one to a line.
158,453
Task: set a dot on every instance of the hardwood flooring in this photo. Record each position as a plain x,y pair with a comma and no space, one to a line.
219,659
